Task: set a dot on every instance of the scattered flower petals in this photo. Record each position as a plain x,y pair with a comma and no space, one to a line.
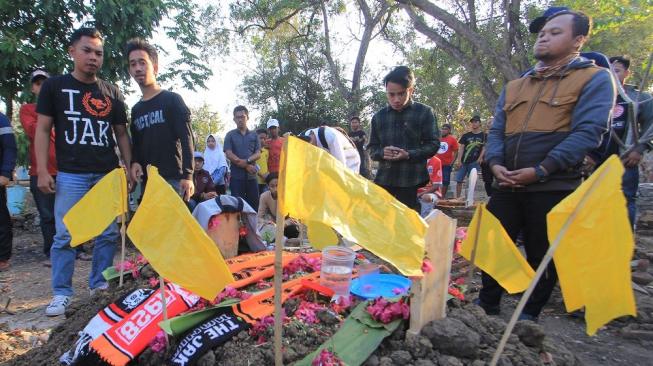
158,344
327,358
385,311
427,267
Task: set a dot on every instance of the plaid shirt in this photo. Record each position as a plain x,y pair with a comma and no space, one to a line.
415,130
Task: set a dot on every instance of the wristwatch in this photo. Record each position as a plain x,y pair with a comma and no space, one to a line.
540,173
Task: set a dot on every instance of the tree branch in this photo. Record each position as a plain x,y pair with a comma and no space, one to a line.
469,62
501,62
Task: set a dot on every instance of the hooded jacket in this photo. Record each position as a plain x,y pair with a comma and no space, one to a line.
553,122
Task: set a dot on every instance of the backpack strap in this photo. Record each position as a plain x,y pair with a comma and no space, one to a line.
320,135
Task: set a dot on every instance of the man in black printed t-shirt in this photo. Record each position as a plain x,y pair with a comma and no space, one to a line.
160,128
86,113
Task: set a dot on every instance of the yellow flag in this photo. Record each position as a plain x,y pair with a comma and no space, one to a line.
319,189
496,254
98,208
175,244
593,259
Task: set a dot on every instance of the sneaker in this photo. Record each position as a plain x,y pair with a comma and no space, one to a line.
489,309
57,305
4,265
528,317
99,289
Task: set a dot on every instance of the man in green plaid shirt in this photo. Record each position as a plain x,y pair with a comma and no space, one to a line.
403,137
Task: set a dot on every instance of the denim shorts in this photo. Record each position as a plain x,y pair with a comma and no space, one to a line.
465,169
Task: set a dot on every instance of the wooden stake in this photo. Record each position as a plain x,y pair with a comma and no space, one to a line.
123,221
278,273
542,267
429,294
122,248
164,303
472,257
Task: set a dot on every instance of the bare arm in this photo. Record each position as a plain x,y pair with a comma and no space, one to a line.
123,143
41,147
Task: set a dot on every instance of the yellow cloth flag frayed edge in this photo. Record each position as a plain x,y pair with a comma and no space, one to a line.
593,258
496,254
99,207
174,243
316,187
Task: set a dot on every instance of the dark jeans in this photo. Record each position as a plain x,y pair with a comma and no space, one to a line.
630,184
525,212
246,189
365,164
405,195
6,235
488,178
45,205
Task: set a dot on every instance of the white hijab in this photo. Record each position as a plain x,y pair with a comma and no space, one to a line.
214,158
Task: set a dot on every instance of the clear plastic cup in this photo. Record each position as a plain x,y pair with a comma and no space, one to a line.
337,264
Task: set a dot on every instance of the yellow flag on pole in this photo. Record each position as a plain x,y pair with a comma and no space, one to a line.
321,191
593,257
495,253
98,208
174,243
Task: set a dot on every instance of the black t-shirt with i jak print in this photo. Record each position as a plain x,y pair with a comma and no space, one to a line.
82,116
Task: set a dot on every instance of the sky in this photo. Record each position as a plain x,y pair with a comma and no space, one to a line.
223,90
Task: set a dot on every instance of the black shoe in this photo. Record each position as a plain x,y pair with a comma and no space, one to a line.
524,316
489,309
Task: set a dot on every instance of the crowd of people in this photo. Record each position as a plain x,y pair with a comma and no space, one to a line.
561,113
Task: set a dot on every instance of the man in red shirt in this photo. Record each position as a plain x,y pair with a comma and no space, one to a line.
274,146
428,195
447,154
44,201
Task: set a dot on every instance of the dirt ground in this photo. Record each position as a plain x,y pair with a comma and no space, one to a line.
622,342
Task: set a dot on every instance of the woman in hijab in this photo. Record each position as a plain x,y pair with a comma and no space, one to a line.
215,163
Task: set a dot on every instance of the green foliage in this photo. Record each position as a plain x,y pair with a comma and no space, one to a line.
204,122
35,34
621,27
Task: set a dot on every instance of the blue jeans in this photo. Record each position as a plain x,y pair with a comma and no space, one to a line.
630,184
465,169
246,189
45,205
71,187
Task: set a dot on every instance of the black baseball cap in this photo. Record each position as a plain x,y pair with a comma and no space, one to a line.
475,117
537,23
38,74
446,125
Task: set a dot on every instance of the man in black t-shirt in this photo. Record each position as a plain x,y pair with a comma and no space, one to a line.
86,113
471,145
161,130
359,138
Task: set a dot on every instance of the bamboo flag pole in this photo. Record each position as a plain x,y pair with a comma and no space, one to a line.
164,303
278,273
472,257
122,248
542,267
123,230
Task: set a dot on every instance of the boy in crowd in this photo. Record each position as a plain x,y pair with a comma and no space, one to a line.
359,137
275,143
160,127
262,163
428,195
204,188
243,149
8,153
44,202
86,113
471,145
447,154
